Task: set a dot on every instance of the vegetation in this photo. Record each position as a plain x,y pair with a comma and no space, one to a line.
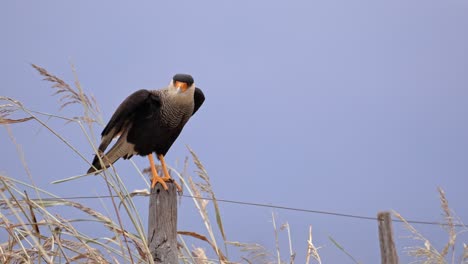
36,234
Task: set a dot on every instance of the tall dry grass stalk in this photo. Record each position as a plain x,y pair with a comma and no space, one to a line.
426,252
312,250
72,95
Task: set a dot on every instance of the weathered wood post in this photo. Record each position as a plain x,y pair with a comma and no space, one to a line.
162,224
387,244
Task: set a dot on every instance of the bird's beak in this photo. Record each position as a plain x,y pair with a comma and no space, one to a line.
181,86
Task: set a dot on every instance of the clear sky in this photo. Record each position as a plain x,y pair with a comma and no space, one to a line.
346,106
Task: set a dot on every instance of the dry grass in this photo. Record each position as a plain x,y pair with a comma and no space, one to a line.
35,232
72,95
312,250
426,252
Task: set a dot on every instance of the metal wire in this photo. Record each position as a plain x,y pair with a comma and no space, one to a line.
288,208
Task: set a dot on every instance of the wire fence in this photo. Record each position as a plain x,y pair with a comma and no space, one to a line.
242,203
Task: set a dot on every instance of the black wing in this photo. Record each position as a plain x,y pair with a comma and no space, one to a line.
127,108
123,116
121,120
198,98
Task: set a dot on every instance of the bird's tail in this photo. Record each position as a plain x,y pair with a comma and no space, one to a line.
121,149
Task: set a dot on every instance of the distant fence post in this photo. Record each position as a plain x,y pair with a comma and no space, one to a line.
162,224
387,244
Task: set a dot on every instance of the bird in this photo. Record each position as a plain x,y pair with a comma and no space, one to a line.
147,122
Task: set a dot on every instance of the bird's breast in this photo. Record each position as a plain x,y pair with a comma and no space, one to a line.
175,115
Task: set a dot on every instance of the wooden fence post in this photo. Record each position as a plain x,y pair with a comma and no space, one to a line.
162,224
387,244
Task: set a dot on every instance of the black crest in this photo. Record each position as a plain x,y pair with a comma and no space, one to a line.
180,77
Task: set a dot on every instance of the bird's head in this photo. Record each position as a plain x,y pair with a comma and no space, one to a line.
182,83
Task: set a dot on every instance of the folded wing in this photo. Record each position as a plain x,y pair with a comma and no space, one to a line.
120,123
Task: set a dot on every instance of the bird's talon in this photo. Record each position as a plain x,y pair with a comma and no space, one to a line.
179,189
161,181
170,179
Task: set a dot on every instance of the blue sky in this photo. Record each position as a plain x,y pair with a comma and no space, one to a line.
345,106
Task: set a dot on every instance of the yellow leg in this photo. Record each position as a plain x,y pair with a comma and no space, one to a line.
167,177
156,178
